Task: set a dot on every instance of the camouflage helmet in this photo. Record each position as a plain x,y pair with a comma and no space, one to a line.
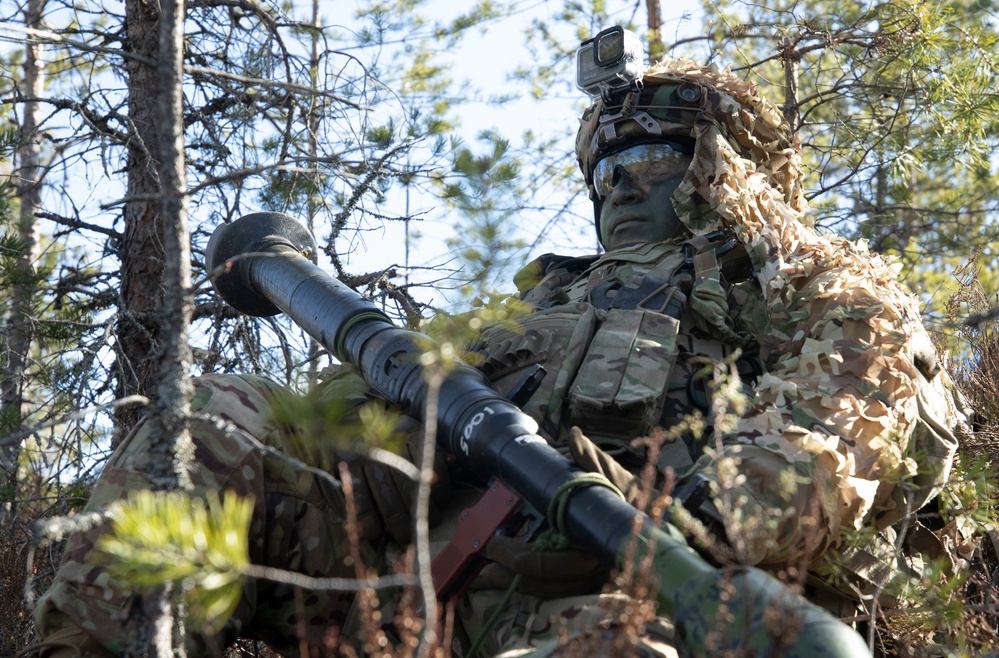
719,118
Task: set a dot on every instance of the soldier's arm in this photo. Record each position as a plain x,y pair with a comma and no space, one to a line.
827,442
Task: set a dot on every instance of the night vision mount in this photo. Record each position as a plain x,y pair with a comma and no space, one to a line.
610,62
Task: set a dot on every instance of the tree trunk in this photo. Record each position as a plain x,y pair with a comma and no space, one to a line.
657,47
156,276
791,60
173,401
153,352
142,251
313,206
18,328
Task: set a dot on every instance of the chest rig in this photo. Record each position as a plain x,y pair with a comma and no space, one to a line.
624,337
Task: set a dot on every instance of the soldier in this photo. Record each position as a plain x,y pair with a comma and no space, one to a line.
848,420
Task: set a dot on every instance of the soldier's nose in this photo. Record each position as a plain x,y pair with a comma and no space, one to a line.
624,189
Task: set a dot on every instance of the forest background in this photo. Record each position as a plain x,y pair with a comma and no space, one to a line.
430,150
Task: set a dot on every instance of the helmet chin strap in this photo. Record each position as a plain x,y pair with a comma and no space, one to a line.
597,204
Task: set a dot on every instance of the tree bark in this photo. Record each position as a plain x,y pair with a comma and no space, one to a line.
791,60
18,327
156,277
657,47
173,400
138,334
313,206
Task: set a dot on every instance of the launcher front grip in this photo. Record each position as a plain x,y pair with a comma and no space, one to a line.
263,264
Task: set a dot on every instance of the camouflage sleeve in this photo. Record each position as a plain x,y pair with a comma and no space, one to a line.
298,524
827,440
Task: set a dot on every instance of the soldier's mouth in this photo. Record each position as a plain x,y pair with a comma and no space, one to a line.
627,222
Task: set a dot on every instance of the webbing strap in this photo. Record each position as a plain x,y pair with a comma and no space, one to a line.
559,501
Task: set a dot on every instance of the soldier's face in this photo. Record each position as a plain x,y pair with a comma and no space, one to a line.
636,195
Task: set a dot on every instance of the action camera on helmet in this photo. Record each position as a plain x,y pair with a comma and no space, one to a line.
609,62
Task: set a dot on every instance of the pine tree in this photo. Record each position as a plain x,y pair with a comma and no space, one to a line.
483,189
893,106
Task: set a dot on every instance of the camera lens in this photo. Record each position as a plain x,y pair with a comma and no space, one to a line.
609,47
689,93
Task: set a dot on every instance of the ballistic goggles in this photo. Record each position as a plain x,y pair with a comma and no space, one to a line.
643,164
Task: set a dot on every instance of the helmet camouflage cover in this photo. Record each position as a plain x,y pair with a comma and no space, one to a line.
721,116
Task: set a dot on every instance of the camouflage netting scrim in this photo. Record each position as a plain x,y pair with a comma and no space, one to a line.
846,399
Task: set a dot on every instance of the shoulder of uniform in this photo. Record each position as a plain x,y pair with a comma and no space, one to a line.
531,274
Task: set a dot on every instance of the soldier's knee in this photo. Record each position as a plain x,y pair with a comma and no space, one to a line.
66,642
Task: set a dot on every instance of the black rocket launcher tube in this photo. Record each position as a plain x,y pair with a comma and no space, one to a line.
264,263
